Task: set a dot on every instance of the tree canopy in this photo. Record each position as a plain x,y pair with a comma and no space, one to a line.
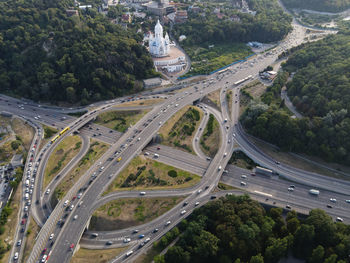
238,229
45,54
269,24
319,5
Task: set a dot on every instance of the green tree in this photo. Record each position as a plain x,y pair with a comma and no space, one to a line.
317,255
176,254
257,259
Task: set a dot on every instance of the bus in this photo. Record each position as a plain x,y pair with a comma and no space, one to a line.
64,130
263,171
55,138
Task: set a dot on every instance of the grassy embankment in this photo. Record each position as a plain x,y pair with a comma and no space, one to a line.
213,99
96,150
32,232
211,139
240,159
180,129
124,213
143,173
205,60
229,102
96,255
120,120
61,156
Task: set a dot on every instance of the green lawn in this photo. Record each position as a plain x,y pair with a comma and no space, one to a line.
144,173
205,59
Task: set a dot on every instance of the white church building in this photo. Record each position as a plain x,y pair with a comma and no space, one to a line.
166,56
159,46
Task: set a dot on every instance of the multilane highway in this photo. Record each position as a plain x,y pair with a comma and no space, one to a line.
72,230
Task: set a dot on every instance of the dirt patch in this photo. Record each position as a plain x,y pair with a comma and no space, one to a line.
213,99
143,173
124,213
120,120
255,89
96,255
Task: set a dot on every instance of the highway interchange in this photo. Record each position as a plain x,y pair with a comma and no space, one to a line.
272,191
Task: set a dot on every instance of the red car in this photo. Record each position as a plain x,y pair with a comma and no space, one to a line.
23,221
74,197
71,246
44,250
158,148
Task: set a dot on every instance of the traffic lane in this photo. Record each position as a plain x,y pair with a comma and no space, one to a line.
311,179
299,197
45,200
198,135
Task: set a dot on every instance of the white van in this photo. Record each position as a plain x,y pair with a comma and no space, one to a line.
26,196
27,183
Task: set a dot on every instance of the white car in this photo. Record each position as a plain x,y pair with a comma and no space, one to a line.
183,212
51,236
348,201
19,243
15,257
167,223
225,154
75,217
290,189
79,195
243,184
339,219
44,259
127,240
71,207
142,193
333,200
243,176
196,204
26,209
48,191
66,203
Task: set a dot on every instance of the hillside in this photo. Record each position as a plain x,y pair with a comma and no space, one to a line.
319,5
320,89
45,54
269,24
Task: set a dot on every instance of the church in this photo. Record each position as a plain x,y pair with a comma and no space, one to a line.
159,46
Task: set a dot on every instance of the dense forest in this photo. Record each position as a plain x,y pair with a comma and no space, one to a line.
238,229
320,89
319,5
269,24
46,54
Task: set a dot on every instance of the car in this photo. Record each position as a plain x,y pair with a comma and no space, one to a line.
208,158
213,197
71,247
51,236
196,204
44,250
290,189
288,207
141,236
147,153
292,186
167,223
155,230
15,257
348,201
147,240
66,203
129,253
329,206
26,209
71,207
243,176
135,231
80,203
108,243
243,184
126,239
219,169
158,148
277,162
199,191
79,195
225,154
22,230
339,219
183,212
19,243
74,197
142,193
333,200
75,217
